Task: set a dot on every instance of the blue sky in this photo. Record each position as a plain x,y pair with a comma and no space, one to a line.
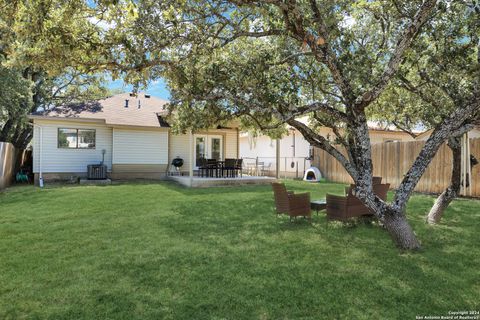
156,88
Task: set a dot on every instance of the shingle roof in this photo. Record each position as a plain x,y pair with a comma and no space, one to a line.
141,111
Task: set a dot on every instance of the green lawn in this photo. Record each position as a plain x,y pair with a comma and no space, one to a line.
159,251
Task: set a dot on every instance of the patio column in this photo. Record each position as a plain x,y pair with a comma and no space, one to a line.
191,158
277,159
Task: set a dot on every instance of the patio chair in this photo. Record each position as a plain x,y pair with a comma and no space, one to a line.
287,202
212,165
239,167
266,169
203,166
345,207
229,167
260,168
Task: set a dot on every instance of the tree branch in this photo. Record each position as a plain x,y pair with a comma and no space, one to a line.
259,34
403,44
453,124
290,57
321,142
327,56
406,130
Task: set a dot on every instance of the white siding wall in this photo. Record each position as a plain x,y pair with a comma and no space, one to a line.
179,145
263,146
140,147
56,159
231,144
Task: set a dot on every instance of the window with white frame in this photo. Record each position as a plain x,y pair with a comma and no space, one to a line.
76,138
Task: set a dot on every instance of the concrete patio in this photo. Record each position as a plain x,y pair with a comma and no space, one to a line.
201,182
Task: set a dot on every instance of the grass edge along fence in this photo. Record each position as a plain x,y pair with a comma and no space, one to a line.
391,160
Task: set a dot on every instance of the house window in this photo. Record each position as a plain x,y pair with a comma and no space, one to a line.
76,138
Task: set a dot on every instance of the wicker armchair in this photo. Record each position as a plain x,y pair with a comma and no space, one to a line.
287,202
349,206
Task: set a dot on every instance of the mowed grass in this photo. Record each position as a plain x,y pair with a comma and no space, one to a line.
160,251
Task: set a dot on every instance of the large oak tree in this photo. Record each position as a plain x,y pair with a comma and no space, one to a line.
441,74
270,62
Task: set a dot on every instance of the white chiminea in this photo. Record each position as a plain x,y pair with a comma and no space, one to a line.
312,175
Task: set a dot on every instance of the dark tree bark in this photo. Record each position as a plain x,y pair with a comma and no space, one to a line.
16,130
5,133
23,138
400,230
444,200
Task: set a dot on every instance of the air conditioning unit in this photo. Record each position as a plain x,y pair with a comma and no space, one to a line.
97,172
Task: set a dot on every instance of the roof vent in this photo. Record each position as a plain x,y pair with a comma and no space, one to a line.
147,96
126,103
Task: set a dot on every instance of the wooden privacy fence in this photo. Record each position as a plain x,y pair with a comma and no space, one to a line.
391,160
7,164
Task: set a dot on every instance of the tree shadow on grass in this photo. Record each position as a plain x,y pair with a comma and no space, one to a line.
249,256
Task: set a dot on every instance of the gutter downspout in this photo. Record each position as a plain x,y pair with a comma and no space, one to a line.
40,155
190,158
40,179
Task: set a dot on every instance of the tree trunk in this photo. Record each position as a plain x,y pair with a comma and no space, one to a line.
22,138
444,200
5,132
400,230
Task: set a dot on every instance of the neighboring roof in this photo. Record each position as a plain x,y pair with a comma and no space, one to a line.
380,126
372,126
141,111
427,133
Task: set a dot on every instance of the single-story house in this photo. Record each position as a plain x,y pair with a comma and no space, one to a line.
128,133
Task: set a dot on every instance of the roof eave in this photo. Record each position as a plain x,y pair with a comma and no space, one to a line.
39,117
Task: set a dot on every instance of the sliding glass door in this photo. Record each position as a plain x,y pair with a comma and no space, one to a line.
208,147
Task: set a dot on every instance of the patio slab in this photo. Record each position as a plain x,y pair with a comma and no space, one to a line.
199,182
